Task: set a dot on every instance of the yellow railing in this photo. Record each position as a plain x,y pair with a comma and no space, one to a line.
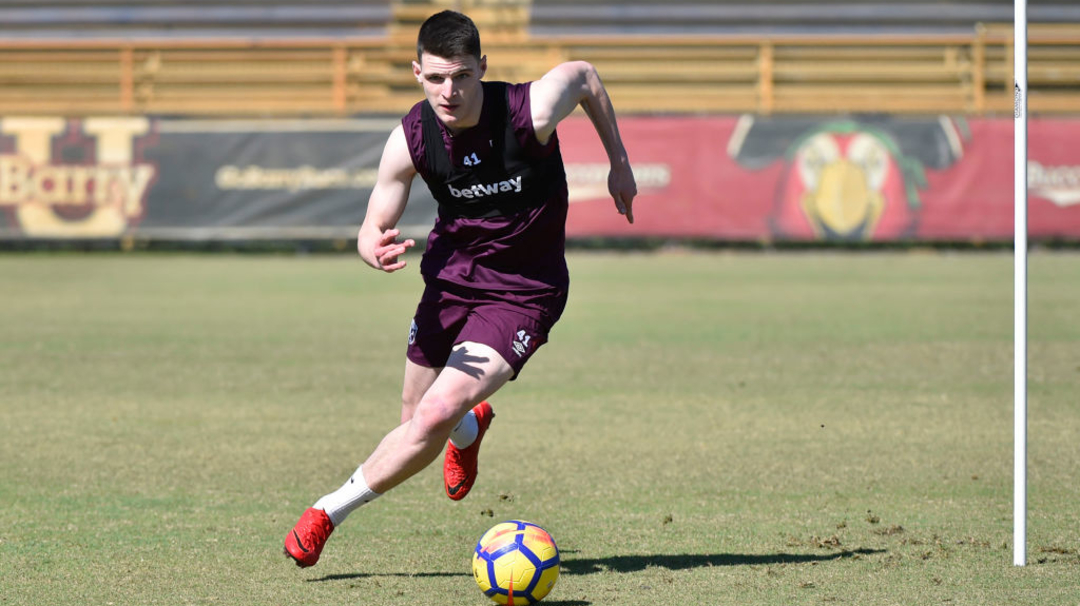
969,74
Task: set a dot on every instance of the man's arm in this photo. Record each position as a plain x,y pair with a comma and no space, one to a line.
555,96
377,240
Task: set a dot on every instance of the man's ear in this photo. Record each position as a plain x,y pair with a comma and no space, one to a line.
483,66
416,70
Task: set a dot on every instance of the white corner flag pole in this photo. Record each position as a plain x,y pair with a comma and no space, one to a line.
1020,229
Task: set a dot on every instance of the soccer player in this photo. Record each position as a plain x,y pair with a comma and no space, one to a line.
494,269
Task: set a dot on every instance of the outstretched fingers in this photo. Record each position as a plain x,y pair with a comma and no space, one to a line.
389,250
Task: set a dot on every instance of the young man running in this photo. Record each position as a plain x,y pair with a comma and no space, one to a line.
494,269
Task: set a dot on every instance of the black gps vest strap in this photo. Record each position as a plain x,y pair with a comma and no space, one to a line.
444,173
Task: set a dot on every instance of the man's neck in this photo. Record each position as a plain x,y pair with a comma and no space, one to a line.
473,121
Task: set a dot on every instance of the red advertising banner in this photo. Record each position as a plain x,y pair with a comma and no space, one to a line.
878,178
735,178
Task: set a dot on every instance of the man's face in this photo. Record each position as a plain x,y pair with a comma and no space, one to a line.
452,87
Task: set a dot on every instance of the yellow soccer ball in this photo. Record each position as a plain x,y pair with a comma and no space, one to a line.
516,563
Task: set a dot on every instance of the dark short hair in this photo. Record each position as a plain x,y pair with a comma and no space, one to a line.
449,35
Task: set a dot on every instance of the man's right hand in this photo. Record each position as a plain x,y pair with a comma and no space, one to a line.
388,251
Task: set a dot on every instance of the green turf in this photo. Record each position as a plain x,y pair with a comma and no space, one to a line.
702,429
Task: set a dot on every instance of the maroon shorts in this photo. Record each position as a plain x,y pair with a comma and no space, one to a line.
447,317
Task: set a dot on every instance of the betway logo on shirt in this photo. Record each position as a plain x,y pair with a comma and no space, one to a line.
479,191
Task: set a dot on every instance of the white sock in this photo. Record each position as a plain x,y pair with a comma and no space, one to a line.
466,431
340,503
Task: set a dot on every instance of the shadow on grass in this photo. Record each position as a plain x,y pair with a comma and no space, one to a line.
368,575
635,563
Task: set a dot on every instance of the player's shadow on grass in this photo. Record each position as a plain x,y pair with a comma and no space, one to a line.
367,575
636,563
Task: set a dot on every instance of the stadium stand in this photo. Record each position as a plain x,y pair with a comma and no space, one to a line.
277,19
62,20
783,17
272,57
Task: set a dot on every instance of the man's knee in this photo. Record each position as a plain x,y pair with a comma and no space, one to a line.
435,416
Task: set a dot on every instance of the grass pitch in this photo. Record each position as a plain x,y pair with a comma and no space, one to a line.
702,429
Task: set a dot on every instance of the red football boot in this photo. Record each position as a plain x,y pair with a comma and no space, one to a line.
305,541
459,466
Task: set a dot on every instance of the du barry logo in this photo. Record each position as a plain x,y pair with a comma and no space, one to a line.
74,178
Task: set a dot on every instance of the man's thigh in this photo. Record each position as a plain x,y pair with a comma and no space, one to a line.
418,379
514,333
472,374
